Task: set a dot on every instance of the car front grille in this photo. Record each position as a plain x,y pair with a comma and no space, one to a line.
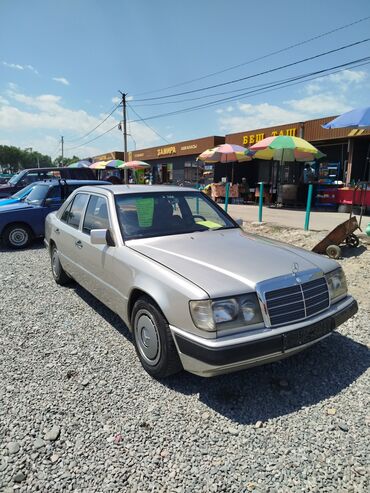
297,302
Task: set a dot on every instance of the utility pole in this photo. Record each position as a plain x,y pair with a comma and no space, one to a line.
62,142
124,133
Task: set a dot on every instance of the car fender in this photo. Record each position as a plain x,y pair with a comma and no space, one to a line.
170,291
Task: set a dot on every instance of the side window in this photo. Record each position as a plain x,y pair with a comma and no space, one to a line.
76,210
30,177
66,212
96,216
55,194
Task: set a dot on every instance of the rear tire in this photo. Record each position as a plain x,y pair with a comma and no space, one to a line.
153,340
59,274
17,236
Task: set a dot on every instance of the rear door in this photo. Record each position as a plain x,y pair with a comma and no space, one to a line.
67,235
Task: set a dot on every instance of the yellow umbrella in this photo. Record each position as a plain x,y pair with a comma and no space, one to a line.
99,165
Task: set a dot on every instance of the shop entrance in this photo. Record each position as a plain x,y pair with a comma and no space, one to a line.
165,173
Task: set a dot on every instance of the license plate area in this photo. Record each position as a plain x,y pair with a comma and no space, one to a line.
308,334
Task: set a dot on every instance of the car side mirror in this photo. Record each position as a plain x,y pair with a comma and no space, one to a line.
239,222
101,237
49,202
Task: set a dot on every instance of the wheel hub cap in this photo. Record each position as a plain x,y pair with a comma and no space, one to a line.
147,338
18,237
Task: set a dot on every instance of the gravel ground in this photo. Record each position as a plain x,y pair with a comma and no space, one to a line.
78,413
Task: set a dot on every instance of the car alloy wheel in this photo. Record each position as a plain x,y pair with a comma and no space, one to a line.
147,337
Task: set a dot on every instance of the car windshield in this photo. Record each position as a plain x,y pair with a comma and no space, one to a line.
144,215
38,194
14,179
22,193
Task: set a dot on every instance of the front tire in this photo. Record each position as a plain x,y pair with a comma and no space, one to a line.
153,340
17,236
59,274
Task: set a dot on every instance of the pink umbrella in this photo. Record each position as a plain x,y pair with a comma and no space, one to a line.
134,165
226,153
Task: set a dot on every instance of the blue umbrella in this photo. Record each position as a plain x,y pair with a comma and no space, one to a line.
358,118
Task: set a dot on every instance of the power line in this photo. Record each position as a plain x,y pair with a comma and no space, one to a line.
272,86
261,85
92,140
97,126
147,124
234,81
282,50
319,74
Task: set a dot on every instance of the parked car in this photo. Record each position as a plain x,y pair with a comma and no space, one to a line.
19,196
196,291
27,176
5,177
20,223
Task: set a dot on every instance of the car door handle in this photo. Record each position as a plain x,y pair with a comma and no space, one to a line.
78,244
57,231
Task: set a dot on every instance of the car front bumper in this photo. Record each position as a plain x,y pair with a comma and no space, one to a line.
209,357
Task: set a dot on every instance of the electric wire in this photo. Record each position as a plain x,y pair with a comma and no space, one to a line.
92,140
272,87
261,85
147,124
96,127
281,67
319,74
282,50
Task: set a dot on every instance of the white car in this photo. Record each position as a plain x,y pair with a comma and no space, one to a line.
197,291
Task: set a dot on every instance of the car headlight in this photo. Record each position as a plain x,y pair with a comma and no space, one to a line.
226,313
225,310
337,284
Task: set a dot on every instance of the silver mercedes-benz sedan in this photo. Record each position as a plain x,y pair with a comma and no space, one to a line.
196,291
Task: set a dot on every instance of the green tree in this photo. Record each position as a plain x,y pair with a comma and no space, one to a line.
59,161
15,159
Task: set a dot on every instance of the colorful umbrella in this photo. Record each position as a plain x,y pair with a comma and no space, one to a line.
80,164
285,148
134,165
358,118
98,165
225,153
114,163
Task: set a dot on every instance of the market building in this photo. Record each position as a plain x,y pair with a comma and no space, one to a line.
343,165
172,163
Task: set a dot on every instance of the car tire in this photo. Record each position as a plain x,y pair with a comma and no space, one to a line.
153,340
17,236
59,274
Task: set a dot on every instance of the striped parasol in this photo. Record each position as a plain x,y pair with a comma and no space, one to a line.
225,153
285,148
114,163
134,165
99,165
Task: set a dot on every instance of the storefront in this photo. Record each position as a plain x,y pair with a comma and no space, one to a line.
177,163
344,163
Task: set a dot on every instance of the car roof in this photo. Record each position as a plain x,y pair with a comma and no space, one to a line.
63,181
126,189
